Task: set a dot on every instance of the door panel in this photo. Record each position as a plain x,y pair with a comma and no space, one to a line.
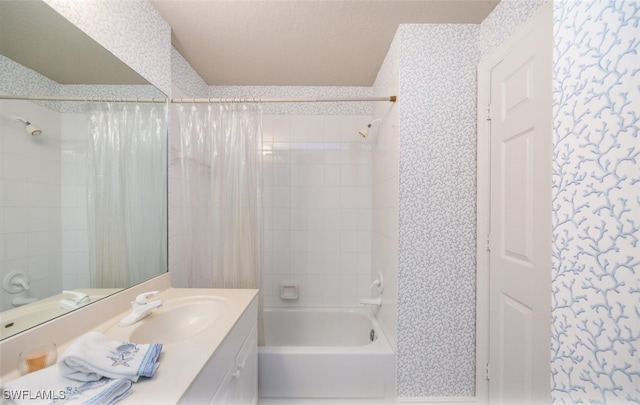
516,188
517,383
520,256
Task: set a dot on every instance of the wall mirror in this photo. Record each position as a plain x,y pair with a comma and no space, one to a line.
83,185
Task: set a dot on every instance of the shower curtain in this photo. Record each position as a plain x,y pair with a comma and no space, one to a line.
127,185
221,164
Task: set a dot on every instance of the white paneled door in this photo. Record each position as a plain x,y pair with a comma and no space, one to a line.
520,225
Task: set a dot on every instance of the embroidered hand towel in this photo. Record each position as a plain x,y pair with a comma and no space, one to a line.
93,356
48,386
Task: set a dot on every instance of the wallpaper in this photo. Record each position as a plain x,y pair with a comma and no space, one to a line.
185,78
596,203
17,79
132,30
345,108
436,269
96,91
503,21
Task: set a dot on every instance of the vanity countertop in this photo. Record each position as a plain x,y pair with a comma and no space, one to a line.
16,320
180,361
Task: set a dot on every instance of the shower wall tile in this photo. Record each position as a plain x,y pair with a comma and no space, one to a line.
383,218
75,234
30,198
317,209
596,209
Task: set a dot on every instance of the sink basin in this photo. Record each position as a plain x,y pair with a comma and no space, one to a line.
178,319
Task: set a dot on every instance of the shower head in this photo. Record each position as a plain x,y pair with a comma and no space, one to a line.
364,132
31,129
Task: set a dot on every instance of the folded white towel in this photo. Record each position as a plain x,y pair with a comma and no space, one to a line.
93,356
48,386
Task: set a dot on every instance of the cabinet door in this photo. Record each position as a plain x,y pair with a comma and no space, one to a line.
246,376
240,384
225,393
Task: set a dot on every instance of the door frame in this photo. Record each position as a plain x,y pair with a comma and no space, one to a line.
483,193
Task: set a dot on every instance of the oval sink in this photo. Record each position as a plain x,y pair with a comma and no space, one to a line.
178,319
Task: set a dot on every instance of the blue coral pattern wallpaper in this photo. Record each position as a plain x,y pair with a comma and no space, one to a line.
436,269
596,202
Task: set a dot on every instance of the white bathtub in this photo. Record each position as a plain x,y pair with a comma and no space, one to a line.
325,353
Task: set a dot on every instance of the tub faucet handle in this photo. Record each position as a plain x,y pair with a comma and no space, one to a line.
378,283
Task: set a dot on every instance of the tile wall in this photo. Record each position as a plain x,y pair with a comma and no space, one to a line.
386,188
318,210
30,198
75,239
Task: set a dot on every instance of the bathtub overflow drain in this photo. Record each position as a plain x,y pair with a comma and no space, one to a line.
372,335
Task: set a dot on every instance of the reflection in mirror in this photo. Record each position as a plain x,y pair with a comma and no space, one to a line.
82,185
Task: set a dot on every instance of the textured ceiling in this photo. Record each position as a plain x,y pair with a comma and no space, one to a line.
300,42
237,42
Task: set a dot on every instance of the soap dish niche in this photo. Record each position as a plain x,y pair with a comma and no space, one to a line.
289,291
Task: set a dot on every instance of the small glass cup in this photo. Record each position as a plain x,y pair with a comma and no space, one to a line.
37,357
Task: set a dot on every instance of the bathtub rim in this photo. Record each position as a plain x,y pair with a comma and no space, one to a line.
381,345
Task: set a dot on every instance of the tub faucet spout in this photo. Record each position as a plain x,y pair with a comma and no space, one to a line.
377,302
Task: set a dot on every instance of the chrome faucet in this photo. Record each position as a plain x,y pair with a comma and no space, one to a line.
140,308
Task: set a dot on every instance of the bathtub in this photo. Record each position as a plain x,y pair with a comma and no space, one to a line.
316,353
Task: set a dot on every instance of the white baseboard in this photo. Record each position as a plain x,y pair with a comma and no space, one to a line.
437,400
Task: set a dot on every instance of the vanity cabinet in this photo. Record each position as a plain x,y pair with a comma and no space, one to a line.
230,376
240,382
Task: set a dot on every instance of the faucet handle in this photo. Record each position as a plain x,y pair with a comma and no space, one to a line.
144,297
378,283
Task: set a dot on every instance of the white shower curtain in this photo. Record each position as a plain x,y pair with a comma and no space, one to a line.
127,186
221,163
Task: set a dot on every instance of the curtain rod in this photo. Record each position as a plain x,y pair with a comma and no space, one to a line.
101,99
246,100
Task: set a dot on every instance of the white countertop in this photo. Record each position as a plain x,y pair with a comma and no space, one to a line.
27,316
180,362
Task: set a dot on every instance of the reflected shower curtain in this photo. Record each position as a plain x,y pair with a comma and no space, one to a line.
221,165
127,200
